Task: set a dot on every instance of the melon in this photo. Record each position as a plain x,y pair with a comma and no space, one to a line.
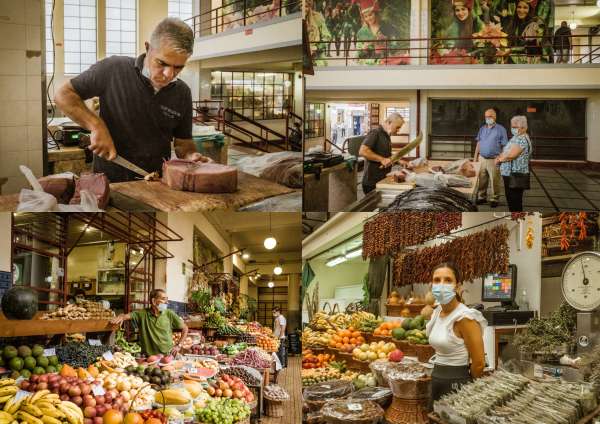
19,303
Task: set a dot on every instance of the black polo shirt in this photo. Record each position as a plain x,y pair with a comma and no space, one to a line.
379,141
142,122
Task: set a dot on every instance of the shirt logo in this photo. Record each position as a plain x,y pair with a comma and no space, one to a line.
169,113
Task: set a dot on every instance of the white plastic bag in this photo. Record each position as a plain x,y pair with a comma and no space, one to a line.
37,200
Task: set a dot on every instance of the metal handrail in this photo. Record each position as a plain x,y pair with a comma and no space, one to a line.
402,51
214,21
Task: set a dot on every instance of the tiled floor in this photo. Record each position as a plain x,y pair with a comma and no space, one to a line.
291,381
553,189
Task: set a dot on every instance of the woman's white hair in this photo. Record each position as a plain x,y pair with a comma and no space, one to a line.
520,121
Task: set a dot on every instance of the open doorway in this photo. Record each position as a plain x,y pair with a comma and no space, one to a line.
347,120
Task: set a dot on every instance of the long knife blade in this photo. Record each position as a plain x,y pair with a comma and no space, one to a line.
85,142
131,166
410,146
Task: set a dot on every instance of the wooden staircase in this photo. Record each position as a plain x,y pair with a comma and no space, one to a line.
246,131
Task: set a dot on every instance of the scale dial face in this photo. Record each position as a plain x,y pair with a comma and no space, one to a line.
581,281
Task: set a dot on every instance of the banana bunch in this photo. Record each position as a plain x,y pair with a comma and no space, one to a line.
320,321
41,407
311,338
358,319
341,321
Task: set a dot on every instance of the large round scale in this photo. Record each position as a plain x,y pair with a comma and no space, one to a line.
581,281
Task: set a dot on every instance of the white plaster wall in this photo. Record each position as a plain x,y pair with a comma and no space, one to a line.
280,32
183,224
5,241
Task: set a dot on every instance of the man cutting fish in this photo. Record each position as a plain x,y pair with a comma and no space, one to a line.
143,105
377,150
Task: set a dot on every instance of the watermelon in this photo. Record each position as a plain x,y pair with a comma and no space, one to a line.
19,303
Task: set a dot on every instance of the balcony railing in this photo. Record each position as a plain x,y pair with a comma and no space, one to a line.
239,13
454,51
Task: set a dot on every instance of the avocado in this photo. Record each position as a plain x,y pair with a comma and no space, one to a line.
24,351
155,380
157,372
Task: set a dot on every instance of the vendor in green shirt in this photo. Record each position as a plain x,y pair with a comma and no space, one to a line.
155,325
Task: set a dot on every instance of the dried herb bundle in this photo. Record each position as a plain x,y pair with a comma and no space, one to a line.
475,255
547,335
390,232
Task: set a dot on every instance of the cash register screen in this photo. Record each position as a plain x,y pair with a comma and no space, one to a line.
499,287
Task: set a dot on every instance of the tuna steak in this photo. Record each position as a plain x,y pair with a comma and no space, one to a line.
199,177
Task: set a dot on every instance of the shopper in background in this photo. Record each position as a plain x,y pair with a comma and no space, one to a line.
455,332
155,325
490,141
279,329
514,164
377,149
562,43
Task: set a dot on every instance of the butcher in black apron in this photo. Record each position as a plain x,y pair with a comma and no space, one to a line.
143,106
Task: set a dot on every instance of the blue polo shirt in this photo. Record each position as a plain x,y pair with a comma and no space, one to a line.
491,140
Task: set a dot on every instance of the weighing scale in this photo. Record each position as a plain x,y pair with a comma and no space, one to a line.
581,289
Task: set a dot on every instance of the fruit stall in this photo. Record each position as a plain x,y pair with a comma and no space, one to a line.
83,381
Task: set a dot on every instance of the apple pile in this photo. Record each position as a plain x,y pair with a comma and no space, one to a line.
94,407
73,389
227,386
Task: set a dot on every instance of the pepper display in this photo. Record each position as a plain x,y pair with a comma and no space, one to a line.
475,255
390,232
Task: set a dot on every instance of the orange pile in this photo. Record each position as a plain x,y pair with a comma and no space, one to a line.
310,360
267,343
385,328
346,340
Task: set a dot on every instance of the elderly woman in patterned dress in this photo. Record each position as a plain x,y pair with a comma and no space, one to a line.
515,159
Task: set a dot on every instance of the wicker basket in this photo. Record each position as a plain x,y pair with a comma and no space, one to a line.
274,408
385,339
367,336
407,411
423,352
395,310
407,348
359,365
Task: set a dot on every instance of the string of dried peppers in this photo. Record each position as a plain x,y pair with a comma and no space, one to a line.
475,255
390,232
570,222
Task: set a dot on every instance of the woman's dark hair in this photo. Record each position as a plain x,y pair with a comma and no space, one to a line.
155,293
450,265
465,30
276,309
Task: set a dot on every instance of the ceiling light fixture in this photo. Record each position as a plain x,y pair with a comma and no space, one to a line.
271,284
573,24
336,261
246,256
277,270
353,253
270,241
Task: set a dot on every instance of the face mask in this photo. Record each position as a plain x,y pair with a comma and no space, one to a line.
514,131
162,307
443,293
489,121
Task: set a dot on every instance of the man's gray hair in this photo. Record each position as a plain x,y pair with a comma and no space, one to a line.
520,121
176,33
393,117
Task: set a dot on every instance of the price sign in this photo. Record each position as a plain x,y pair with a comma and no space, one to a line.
94,342
354,407
98,390
193,370
108,355
50,352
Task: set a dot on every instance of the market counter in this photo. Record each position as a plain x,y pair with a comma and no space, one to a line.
156,196
333,190
38,327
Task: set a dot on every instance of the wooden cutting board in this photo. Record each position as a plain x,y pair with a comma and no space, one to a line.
156,196
160,197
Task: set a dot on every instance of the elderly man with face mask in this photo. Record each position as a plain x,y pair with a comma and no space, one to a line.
491,139
143,106
155,325
377,150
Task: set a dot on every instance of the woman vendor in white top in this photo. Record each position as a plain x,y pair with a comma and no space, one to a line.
455,332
